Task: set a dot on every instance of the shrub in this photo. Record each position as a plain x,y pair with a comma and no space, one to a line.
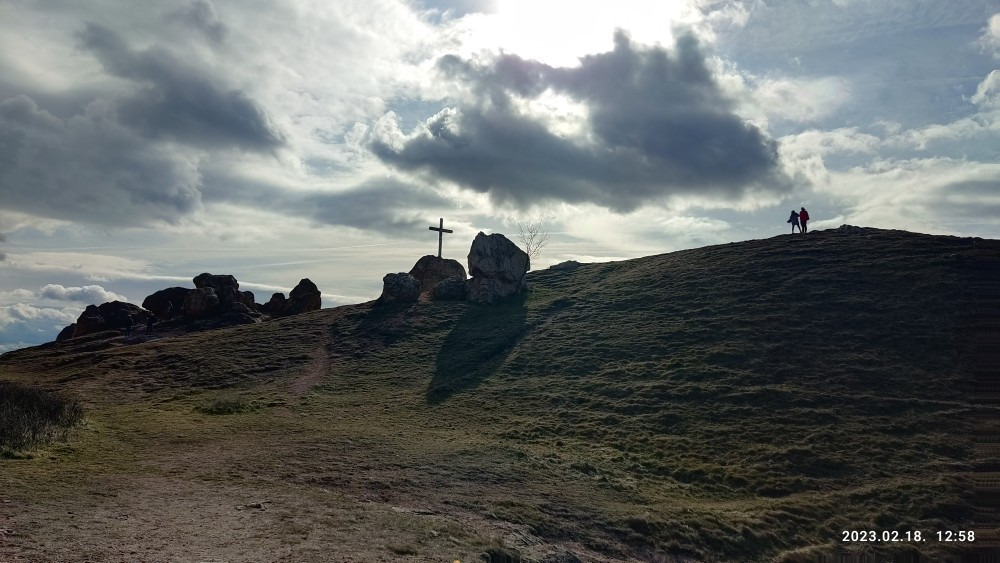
30,417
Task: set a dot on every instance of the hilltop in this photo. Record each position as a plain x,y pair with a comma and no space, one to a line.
743,401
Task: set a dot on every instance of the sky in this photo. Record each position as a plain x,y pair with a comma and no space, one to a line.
143,143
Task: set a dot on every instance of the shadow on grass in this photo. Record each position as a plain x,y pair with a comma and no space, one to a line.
477,346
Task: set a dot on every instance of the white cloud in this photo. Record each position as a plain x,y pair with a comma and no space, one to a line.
22,324
801,100
990,39
88,294
988,92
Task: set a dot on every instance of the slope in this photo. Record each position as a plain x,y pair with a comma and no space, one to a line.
744,401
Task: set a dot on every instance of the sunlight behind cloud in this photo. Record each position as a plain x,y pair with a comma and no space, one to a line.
559,32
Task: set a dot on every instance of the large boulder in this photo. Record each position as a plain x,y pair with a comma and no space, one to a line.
497,267
159,302
66,333
399,288
275,306
215,282
451,289
200,303
303,298
430,270
115,315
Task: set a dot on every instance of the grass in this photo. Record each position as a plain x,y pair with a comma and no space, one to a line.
30,417
736,402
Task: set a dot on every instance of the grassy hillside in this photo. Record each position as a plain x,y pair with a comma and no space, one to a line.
748,401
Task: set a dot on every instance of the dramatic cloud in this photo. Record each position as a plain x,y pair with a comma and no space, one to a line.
176,99
88,168
85,294
656,125
200,15
383,205
990,40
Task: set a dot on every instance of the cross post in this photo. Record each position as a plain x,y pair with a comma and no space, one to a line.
441,231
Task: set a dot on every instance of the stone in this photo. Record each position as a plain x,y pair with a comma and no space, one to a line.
66,333
199,303
851,230
159,302
275,306
430,270
109,316
451,289
303,298
215,282
399,288
498,268
565,266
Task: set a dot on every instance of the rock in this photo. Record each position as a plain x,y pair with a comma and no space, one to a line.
851,230
399,288
199,303
451,289
241,309
159,302
430,270
202,281
275,306
109,316
66,333
246,297
497,267
303,298
565,266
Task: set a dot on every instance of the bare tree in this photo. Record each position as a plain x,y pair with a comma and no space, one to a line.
534,238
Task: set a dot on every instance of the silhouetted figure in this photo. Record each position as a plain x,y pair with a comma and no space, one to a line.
803,217
128,325
794,220
170,309
149,324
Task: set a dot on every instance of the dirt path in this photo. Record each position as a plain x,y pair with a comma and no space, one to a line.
314,372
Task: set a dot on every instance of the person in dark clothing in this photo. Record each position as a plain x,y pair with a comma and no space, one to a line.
128,325
803,217
794,220
149,324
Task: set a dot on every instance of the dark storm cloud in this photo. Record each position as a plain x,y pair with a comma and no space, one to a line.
200,15
661,123
176,99
88,168
384,205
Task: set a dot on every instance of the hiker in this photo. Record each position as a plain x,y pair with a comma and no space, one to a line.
149,324
128,325
803,217
794,220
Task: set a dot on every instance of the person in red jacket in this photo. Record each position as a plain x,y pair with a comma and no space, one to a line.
803,217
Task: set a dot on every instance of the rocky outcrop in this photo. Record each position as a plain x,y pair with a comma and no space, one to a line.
303,298
216,282
851,230
451,289
430,270
275,306
200,303
399,288
565,266
109,316
159,302
497,267
66,333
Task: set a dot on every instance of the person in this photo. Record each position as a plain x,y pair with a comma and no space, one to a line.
149,324
128,325
794,220
803,217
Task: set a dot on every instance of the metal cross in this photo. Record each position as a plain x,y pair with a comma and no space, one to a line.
441,231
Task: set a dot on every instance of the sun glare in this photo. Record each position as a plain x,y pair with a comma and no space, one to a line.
559,32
